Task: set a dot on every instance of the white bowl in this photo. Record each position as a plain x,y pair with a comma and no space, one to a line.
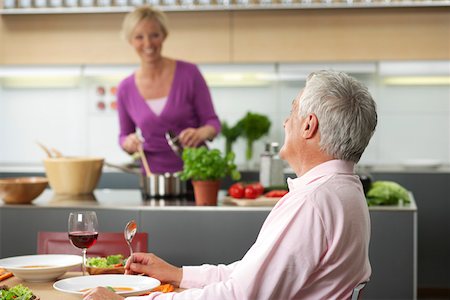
40,268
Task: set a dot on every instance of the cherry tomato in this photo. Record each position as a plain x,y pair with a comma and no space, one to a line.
250,192
236,190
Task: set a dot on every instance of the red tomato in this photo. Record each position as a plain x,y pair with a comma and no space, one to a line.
258,187
250,192
276,193
236,190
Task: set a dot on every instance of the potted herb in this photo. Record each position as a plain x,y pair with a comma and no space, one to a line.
254,126
206,168
231,134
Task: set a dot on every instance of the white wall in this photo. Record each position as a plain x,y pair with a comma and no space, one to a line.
413,119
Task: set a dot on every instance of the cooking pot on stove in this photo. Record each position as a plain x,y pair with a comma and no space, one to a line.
167,185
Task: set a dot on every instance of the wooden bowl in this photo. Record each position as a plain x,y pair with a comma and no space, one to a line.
98,271
21,190
73,175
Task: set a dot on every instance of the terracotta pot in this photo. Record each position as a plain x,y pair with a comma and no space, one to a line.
206,192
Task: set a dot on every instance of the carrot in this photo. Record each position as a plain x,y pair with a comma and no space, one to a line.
164,288
5,276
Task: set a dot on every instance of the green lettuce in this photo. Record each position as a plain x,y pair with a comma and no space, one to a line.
387,193
105,262
17,292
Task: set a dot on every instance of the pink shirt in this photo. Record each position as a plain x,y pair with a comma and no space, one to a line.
313,245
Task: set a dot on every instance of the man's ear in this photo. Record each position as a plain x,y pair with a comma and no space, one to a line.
310,126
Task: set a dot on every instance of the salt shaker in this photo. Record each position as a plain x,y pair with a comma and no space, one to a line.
265,166
277,170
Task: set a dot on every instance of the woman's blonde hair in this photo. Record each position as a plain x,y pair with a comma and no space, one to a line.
143,13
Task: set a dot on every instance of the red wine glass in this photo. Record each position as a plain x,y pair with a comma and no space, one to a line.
83,231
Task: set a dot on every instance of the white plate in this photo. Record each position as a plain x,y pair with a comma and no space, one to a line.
39,268
76,285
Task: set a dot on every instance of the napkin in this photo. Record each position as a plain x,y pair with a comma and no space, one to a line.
5,274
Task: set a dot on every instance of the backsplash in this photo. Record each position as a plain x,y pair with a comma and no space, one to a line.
75,112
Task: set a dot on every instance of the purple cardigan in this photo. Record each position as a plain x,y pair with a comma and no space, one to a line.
188,104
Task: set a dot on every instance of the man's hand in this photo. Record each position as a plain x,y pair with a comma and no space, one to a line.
155,267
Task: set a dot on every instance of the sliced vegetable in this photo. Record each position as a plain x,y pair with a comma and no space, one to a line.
111,288
276,193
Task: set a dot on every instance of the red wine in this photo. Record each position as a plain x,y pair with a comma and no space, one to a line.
83,239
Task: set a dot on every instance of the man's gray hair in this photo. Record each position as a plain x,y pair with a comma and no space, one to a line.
346,112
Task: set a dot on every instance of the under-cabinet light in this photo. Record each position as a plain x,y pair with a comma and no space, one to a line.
238,79
40,76
417,80
40,82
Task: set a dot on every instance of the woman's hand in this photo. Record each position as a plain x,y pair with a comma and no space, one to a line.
101,293
131,143
192,137
155,267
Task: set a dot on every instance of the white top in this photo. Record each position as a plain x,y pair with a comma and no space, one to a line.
313,245
157,104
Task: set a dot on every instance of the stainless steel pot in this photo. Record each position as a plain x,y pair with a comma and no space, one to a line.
163,185
157,185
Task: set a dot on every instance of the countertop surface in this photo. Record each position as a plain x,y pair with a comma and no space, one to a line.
131,199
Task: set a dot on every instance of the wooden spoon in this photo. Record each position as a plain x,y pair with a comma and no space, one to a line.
144,161
57,153
49,154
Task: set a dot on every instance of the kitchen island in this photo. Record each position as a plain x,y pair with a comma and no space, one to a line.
185,234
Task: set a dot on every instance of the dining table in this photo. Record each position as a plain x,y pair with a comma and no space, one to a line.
45,290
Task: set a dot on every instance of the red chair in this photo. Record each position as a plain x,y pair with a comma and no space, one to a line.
108,243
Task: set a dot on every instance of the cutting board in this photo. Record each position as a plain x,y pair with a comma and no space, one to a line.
260,201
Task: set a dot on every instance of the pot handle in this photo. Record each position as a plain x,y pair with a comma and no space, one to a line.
123,168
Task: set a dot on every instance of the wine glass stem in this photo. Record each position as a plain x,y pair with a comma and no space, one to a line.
83,267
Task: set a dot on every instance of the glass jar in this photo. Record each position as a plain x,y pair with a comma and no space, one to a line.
40,3
9,3
55,3
87,3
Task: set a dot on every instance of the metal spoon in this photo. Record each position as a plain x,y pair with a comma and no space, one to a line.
129,232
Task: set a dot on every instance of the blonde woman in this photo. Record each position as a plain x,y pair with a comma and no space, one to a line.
162,94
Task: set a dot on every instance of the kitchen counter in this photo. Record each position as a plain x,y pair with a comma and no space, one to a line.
131,199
